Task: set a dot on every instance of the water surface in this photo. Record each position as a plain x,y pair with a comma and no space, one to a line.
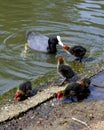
77,22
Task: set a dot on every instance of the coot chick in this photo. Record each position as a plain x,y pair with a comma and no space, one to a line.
79,89
77,51
64,70
24,91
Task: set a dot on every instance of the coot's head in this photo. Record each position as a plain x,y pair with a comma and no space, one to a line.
52,45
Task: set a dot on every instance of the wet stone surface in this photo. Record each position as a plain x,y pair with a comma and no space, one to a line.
98,80
53,115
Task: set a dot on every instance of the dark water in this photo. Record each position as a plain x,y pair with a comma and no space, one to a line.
77,22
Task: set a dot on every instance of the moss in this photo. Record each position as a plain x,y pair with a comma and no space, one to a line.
7,96
40,82
45,78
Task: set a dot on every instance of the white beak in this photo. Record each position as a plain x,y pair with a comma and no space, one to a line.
59,41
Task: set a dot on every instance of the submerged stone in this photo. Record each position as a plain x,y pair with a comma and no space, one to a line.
98,80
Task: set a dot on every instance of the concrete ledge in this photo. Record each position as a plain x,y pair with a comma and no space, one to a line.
13,110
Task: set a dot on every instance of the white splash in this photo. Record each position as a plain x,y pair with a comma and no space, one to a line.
24,51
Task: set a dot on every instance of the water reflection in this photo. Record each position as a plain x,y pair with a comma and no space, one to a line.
78,22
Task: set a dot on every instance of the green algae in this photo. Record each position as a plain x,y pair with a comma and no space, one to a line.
7,96
40,83
45,78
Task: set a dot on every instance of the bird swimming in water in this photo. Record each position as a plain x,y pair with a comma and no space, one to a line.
77,50
42,42
79,89
24,91
64,70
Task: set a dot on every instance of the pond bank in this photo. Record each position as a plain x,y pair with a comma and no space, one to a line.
86,115
41,111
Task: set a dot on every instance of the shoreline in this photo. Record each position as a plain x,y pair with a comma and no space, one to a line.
15,110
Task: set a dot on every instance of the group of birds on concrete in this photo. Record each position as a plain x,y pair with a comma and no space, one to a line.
43,43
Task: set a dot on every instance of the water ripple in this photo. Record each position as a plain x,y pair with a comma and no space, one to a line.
77,22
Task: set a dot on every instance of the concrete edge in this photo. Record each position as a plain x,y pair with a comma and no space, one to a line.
10,111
